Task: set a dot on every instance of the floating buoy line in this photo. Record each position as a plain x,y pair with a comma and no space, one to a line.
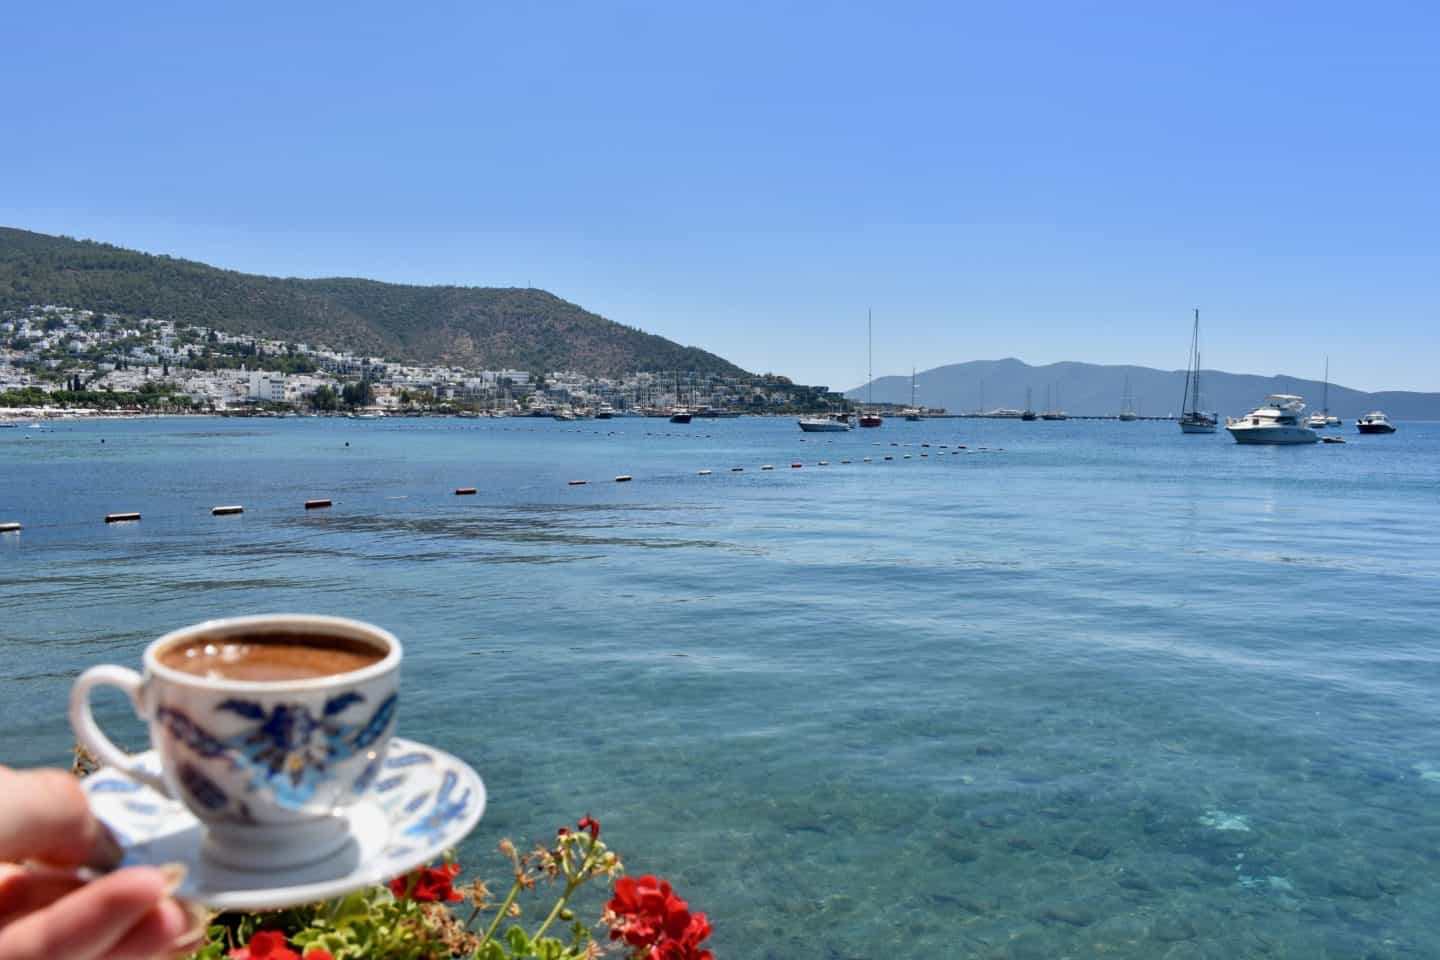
15,526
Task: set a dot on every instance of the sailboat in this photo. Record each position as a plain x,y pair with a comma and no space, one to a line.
1192,418
1127,404
1052,409
1029,412
679,413
868,417
1323,419
912,412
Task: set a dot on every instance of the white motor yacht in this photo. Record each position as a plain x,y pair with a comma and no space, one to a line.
836,424
1375,422
1278,420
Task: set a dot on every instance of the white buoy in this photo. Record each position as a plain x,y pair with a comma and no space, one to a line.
824,463
868,459
226,511
464,491
703,473
623,478
121,517
767,466
10,527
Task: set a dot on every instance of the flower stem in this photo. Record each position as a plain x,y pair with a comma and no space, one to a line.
555,911
499,915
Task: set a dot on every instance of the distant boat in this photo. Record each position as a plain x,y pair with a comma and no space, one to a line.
1127,404
1375,422
1052,407
1279,420
7,423
604,412
868,416
1192,418
679,413
1323,419
912,412
1028,413
839,423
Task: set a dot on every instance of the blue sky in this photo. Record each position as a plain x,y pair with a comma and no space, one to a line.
1049,180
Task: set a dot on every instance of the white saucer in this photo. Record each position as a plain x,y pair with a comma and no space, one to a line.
424,802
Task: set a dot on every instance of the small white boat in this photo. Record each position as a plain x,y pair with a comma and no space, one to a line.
1375,422
1278,420
824,424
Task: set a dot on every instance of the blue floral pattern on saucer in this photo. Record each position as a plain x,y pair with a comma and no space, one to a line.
423,802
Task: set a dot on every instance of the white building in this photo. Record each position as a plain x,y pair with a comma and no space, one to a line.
267,387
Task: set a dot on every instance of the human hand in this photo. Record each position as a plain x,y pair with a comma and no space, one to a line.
48,911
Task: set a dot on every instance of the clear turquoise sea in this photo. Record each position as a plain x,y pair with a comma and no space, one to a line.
1097,690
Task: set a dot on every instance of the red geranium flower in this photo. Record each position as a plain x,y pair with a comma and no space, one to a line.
318,955
592,825
429,884
656,922
265,945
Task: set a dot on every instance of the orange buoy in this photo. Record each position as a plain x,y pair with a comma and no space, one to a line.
226,511
464,491
796,466
316,504
121,517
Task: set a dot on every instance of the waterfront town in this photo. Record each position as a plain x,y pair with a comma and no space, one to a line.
66,358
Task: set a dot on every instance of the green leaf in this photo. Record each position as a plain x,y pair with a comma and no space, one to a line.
519,942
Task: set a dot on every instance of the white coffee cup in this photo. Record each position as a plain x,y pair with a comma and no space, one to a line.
269,768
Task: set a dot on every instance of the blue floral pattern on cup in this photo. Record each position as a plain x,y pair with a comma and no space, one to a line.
288,750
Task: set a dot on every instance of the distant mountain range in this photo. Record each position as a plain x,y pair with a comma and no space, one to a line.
478,327
1089,389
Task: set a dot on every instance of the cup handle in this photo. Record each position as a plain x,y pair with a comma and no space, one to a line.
88,732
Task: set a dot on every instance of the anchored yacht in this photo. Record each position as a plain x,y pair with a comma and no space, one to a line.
837,423
1375,422
1278,420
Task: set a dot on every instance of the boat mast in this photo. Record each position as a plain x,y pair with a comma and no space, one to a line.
1194,375
869,355
1325,404
912,388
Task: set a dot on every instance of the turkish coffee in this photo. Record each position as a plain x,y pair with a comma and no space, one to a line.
270,657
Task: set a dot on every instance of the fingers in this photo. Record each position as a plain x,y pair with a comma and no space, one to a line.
44,816
24,890
126,915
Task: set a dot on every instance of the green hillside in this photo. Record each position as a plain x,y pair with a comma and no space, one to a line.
482,327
